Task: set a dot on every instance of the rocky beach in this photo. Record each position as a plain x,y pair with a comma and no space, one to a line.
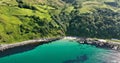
24,43
105,52
98,43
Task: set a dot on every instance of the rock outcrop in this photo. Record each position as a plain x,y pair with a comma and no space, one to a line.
100,43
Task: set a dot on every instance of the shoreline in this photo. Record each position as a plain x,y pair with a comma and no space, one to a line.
4,47
98,43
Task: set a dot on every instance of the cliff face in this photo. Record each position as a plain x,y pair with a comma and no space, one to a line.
31,19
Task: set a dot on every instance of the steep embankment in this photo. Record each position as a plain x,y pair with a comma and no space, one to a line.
27,19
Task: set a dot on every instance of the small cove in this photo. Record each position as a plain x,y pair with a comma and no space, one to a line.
64,51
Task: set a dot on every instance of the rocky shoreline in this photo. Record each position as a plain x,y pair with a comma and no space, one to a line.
98,43
4,47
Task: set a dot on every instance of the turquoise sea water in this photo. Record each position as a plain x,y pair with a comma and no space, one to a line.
63,51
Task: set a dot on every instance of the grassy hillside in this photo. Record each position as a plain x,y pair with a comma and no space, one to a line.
31,19
24,20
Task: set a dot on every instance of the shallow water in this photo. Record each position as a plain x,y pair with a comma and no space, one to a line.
64,51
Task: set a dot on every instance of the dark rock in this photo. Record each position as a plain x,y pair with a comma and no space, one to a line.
102,44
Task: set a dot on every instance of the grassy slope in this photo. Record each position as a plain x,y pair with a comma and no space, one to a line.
13,17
